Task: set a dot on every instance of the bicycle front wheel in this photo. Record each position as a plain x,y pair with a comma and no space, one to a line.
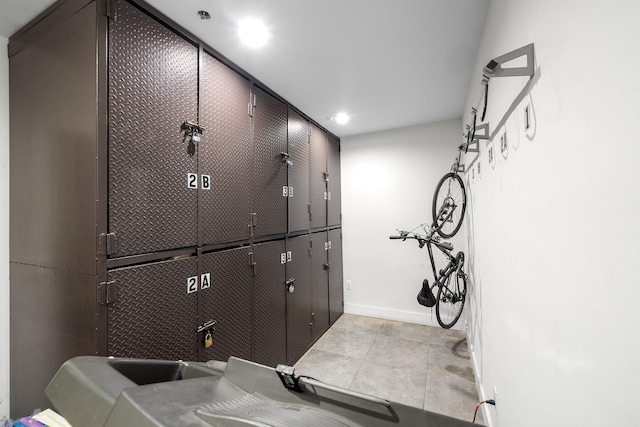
450,301
449,205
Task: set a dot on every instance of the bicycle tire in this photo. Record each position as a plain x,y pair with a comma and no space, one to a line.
451,194
450,299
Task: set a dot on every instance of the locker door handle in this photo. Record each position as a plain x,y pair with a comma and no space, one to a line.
327,266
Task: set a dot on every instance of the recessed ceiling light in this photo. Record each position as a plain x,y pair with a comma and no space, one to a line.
253,32
342,118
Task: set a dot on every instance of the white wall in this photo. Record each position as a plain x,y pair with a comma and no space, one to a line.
553,229
4,229
388,180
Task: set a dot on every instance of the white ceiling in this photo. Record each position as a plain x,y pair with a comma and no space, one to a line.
386,63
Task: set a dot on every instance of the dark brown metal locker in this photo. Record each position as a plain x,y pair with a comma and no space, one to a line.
270,316
298,172
224,153
318,177
270,168
227,301
334,216
336,293
151,313
319,284
298,282
153,89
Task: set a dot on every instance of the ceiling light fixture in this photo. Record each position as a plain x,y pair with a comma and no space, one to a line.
342,118
253,32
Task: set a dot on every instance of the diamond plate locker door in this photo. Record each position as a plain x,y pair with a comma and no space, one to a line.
319,284
227,301
298,297
270,167
334,216
269,313
225,153
151,314
298,172
318,183
153,89
336,293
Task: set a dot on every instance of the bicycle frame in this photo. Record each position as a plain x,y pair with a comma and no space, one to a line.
446,270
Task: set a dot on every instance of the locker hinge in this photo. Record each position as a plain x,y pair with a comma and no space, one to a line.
309,210
252,104
111,9
252,223
107,244
252,264
107,293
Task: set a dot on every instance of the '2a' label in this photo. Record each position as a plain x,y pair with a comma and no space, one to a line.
192,283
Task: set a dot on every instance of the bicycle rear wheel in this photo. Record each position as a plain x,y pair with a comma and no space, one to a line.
450,300
449,205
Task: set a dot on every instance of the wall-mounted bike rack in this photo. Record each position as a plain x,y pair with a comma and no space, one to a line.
498,67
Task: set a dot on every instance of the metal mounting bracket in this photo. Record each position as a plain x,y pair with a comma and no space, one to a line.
495,67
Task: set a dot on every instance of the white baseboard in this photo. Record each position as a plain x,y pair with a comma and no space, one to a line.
486,414
419,318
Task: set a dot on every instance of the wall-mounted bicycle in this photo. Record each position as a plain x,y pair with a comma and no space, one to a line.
450,200
451,281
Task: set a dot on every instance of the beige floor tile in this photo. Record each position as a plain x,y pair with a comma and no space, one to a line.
397,383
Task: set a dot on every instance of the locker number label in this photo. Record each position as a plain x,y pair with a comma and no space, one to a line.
192,180
192,284
206,182
205,281
285,191
283,257
289,256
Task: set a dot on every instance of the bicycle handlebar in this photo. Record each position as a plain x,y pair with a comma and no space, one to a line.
423,240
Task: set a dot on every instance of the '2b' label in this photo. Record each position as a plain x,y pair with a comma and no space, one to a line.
192,181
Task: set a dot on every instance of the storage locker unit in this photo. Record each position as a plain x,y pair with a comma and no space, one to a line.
154,188
334,260
227,301
298,285
153,89
153,311
270,311
334,208
318,177
270,166
224,153
298,168
319,284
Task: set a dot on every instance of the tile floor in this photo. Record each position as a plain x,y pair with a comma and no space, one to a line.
417,365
